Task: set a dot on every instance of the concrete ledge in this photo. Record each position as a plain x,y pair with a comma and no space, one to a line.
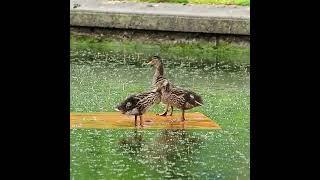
163,17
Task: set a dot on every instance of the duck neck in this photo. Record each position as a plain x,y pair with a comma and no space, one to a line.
158,72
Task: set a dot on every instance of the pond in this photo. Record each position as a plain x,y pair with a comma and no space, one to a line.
99,81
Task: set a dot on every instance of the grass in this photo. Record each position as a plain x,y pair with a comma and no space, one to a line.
181,52
211,2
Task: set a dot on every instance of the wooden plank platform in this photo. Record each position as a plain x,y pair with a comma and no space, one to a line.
151,121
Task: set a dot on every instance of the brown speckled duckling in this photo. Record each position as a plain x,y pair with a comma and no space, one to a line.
179,98
159,79
138,104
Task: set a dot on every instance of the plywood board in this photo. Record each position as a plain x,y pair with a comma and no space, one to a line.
194,120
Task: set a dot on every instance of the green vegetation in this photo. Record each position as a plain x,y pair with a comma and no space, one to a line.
213,2
195,52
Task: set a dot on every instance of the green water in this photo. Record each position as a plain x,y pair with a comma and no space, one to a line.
99,81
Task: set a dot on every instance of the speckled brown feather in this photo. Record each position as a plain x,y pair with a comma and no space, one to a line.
180,98
172,95
138,104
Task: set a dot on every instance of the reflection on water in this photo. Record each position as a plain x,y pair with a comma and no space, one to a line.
133,143
175,150
170,153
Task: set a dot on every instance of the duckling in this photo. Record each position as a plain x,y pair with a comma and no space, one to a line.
138,104
159,79
180,98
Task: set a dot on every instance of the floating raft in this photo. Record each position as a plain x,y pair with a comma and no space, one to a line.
151,121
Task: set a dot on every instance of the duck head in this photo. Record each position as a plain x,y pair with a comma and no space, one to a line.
127,105
155,61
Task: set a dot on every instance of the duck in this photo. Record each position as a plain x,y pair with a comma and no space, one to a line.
138,104
159,79
180,98
172,95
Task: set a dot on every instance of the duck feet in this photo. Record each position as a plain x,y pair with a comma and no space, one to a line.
163,114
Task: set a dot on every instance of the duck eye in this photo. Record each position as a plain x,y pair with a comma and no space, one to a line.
128,104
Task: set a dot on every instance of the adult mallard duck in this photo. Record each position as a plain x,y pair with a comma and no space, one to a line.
180,98
159,79
138,104
172,94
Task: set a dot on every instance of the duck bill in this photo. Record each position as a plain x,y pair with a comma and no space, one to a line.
199,103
